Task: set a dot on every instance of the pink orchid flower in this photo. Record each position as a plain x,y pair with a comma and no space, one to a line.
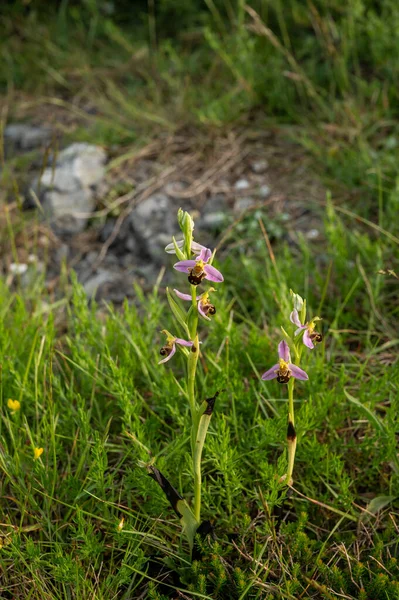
205,307
199,269
310,335
169,349
284,369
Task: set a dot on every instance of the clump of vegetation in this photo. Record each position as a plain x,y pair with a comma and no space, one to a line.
88,401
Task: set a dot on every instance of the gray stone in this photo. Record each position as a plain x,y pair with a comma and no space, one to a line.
155,207
216,203
242,204
131,243
67,192
25,137
152,223
312,234
61,254
241,184
264,191
213,220
101,277
259,166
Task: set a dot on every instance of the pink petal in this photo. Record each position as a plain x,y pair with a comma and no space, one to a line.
294,318
301,328
184,296
205,254
271,373
197,248
164,360
307,341
183,342
284,351
213,274
184,265
201,312
298,373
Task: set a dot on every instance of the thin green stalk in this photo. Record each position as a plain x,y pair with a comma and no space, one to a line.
191,372
193,357
291,416
203,424
195,414
291,434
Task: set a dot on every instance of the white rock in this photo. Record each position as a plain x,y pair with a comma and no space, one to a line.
67,190
259,166
312,234
98,279
213,220
154,217
264,191
241,184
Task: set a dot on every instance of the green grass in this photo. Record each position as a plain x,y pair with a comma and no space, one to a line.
93,397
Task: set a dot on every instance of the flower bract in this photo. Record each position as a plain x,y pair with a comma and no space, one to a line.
284,369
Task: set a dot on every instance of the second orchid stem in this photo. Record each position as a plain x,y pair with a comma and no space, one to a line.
291,433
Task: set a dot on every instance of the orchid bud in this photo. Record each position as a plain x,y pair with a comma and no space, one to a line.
297,300
186,224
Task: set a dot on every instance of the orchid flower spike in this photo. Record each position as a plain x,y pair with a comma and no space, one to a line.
205,307
284,369
310,335
169,348
195,247
199,269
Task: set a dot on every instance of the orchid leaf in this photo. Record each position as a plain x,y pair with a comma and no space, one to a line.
375,505
178,503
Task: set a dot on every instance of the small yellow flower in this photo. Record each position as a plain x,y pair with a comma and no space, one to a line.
13,405
121,524
37,452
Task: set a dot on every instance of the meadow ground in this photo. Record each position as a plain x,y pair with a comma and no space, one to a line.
82,519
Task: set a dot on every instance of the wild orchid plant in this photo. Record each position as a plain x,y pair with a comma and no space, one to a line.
286,372
197,270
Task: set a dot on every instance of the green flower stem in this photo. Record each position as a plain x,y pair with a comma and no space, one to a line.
194,318
202,430
191,372
291,433
291,415
196,448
